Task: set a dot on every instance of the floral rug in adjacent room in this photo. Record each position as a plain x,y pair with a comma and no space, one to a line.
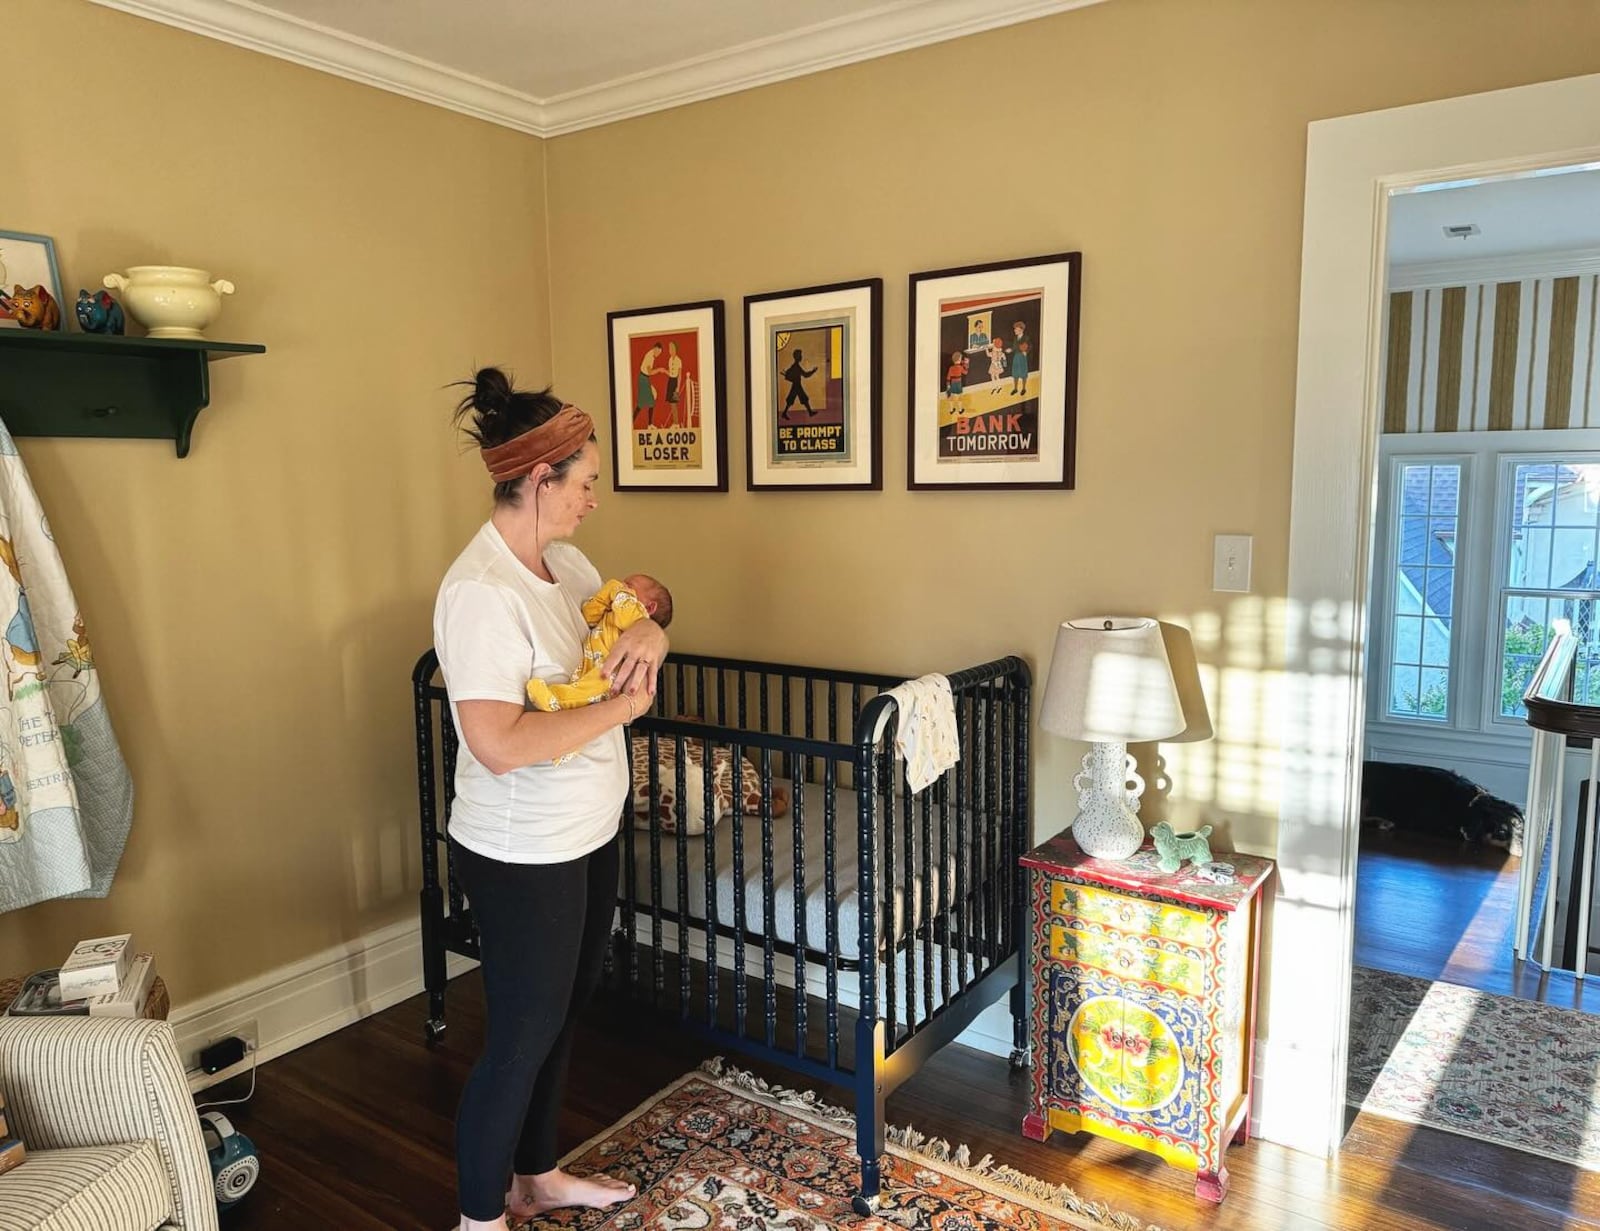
1515,1072
720,1149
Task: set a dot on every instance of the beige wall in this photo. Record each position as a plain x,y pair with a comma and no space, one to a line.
1165,139
256,607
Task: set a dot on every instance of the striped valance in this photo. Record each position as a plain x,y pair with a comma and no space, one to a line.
1493,356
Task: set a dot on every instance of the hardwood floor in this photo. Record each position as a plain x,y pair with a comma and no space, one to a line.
355,1132
1433,911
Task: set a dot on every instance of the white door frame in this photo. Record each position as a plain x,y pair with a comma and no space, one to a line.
1353,164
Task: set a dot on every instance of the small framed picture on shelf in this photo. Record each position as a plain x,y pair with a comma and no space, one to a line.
27,261
814,388
994,375
669,419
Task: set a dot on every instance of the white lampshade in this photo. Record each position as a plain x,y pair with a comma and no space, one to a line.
1110,683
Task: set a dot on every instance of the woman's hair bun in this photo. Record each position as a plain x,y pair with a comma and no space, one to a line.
491,391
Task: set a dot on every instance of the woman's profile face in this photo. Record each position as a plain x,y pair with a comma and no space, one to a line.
569,498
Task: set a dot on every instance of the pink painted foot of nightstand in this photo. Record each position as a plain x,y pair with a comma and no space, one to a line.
1035,1128
1241,1135
1211,1186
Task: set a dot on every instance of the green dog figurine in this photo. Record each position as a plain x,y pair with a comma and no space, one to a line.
1173,848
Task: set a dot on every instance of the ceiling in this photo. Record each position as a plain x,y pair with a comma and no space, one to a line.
554,66
1545,212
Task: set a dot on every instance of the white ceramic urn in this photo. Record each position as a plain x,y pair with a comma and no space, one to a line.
170,301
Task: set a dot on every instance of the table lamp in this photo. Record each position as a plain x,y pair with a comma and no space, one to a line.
1110,685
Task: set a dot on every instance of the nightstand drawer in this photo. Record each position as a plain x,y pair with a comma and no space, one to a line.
1129,956
1127,913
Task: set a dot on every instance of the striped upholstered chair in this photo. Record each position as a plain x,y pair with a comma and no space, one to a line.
105,1112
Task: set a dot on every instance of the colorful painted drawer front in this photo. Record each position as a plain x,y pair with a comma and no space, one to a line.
1134,1062
1130,956
1128,913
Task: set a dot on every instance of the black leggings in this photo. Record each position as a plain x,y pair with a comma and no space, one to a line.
542,928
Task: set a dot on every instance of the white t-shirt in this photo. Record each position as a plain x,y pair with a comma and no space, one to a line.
496,625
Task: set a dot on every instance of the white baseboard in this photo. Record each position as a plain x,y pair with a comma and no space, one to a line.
299,1003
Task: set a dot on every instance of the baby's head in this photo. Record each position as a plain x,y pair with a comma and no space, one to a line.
657,599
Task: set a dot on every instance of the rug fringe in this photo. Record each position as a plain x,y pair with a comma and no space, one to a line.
936,1150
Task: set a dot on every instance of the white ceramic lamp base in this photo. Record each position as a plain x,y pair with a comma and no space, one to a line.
1107,825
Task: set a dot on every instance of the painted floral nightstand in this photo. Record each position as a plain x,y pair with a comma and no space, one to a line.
1144,1002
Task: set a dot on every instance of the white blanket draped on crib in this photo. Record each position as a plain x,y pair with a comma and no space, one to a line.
66,799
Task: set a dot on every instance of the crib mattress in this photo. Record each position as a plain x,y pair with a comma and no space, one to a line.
814,889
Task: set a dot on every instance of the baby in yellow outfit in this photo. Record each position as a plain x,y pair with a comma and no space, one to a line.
616,606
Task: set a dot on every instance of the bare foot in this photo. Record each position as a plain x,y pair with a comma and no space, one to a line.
473,1224
531,1196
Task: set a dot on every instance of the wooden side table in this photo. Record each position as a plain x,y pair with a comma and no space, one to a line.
1144,1003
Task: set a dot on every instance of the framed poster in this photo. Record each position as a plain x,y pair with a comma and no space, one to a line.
994,375
669,415
814,388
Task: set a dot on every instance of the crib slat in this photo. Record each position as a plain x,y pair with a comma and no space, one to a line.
713,973
886,874
765,725
797,806
830,890
907,898
744,719
949,889
833,711
927,902
964,846
1008,812
740,993
991,802
682,836
769,905
658,964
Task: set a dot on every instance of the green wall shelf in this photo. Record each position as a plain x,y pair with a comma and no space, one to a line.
88,384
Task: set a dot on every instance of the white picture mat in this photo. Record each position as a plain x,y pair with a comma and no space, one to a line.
27,264
857,300
623,373
1056,279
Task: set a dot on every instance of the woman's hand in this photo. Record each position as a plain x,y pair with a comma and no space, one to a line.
634,660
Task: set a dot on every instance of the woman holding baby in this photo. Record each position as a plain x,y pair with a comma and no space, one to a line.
538,794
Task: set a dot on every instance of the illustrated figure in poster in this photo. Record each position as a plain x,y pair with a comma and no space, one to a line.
978,339
794,374
644,401
955,376
674,371
997,363
1019,359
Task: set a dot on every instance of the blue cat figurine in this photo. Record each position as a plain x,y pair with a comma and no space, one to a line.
99,313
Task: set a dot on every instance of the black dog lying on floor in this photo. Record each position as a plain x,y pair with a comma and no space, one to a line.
1437,803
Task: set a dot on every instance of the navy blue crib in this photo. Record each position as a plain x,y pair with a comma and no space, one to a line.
766,932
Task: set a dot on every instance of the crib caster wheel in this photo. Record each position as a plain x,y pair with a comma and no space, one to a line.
865,1206
1021,1058
433,1031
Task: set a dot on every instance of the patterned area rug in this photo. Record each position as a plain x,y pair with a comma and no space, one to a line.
1514,1072
720,1150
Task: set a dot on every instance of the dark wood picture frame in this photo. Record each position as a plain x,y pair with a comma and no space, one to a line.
713,412
867,339
1056,413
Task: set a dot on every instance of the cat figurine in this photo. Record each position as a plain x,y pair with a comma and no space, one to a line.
99,313
32,309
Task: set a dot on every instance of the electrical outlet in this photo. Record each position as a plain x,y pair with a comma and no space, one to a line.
1230,564
249,1031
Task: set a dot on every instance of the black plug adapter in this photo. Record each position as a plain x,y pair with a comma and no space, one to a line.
222,1054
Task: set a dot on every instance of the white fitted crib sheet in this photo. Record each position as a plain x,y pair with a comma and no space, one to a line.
814,892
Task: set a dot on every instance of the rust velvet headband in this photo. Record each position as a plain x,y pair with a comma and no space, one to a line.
554,440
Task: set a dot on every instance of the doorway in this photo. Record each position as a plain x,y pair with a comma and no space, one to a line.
1354,164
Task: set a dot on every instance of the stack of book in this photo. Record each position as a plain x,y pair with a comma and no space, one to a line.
100,978
11,1151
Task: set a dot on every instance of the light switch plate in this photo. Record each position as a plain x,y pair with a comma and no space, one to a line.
1230,566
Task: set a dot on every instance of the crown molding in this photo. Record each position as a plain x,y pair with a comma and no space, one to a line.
882,31
272,33
1554,264
890,28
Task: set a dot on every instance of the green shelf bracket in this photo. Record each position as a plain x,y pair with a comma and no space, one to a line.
85,384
